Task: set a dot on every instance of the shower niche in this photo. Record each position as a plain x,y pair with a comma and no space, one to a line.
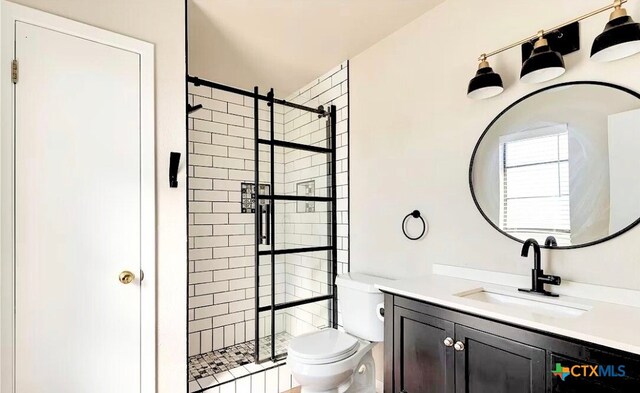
306,188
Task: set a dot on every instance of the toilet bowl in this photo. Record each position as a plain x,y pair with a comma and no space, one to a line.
333,361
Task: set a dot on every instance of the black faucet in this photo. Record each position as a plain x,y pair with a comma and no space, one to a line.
538,278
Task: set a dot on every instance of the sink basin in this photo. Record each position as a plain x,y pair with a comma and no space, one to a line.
533,303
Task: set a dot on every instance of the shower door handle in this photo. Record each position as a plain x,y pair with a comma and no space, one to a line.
268,225
262,211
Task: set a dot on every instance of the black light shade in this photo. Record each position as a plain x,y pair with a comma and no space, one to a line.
620,39
485,84
543,64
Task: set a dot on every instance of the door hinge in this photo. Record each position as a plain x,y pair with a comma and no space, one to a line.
14,71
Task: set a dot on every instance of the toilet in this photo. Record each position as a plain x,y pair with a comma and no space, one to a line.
332,361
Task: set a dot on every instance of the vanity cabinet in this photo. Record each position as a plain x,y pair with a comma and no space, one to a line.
431,349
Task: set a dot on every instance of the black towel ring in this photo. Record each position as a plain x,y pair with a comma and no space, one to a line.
414,214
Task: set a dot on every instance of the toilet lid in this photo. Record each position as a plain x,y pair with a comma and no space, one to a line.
325,346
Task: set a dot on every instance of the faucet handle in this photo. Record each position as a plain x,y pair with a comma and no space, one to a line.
550,241
549,279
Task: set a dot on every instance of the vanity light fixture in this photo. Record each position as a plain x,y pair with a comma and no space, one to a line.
486,83
544,64
620,38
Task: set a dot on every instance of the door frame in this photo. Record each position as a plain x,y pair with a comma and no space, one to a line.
9,14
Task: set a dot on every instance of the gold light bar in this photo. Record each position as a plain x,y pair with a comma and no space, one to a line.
616,4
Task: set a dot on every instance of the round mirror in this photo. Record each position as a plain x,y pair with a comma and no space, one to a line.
563,162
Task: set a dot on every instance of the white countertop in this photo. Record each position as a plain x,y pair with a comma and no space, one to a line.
609,324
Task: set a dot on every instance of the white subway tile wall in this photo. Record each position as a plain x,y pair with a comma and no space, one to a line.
306,274
221,238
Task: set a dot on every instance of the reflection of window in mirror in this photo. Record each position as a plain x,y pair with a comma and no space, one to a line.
534,180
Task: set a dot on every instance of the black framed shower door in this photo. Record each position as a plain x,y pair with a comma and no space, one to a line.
295,229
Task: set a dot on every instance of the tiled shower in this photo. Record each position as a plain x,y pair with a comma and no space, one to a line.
222,321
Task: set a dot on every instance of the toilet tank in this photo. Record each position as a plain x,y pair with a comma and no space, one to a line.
359,299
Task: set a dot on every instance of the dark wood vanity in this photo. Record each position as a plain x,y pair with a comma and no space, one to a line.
429,348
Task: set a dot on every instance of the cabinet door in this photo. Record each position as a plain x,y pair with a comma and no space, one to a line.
489,363
422,362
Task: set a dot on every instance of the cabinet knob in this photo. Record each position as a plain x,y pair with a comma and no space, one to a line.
458,346
448,342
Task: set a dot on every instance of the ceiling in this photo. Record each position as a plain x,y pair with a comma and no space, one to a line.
285,44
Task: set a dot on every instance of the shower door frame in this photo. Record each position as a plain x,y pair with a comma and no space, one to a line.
331,249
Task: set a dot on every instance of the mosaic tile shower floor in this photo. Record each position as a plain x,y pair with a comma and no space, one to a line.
216,367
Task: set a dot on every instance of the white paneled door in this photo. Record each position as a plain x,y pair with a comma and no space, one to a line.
80,231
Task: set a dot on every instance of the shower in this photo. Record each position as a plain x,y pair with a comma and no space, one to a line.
263,239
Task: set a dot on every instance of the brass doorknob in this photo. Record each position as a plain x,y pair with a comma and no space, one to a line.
126,277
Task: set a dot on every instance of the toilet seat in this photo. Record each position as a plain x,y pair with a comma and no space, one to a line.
323,347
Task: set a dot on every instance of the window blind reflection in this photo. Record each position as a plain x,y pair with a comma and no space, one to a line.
535,186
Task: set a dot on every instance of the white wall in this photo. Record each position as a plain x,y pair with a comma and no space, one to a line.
413,131
161,23
624,145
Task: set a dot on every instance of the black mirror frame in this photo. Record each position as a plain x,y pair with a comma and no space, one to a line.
475,150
